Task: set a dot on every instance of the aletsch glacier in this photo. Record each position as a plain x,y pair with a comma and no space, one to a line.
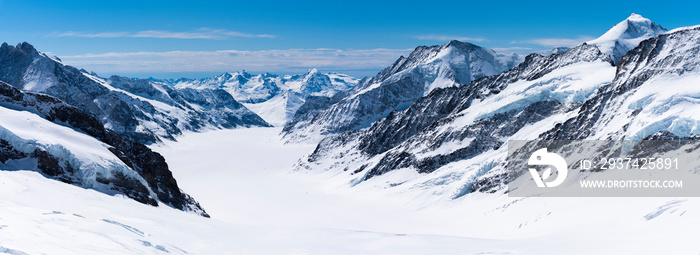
119,115
441,105
433,125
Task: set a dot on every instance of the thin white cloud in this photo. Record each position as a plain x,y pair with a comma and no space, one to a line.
559,42
449,38
512,49
202,33
280,61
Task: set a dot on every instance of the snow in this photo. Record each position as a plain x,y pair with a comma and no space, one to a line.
666,102
40,78
574,83
682,28
342,81
626,35
273,98
272,110
245,180
242,178
149,123
275,197
90,157
426,69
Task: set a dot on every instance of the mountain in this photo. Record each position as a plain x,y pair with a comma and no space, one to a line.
245,87
456,134
41,133
143,110
626,35
453,141
274,98
397,87
652,97
653,91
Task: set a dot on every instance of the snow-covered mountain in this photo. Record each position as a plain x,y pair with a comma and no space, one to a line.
275,98
438,162
245,87
655,89
41,133
456,134
398,86
626,35
142,110
453,141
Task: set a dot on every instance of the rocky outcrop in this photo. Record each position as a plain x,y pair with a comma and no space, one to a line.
149,165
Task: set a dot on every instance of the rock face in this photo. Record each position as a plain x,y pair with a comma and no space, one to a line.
626,35
142,110
274,98
398,86
68,144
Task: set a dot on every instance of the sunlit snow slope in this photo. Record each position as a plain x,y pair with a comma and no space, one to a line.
271,211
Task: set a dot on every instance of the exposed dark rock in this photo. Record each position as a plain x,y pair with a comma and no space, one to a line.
147,163
7,152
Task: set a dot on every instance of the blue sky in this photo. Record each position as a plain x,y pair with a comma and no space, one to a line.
167,39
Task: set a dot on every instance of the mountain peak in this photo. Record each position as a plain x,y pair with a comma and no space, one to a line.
454,42
635,26
634,16
626,35
23,47
458,44
245,74
26,47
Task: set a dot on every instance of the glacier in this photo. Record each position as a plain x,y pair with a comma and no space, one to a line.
411,161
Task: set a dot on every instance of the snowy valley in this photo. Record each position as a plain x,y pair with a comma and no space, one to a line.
262,209
410,161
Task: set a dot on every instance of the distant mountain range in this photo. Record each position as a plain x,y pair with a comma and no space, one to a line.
139,109
275,98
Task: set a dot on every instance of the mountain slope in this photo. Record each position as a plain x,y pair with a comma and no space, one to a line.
280,108
142,110
452,142
464,125
626,35
652,97
654,90
41,133
398,86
